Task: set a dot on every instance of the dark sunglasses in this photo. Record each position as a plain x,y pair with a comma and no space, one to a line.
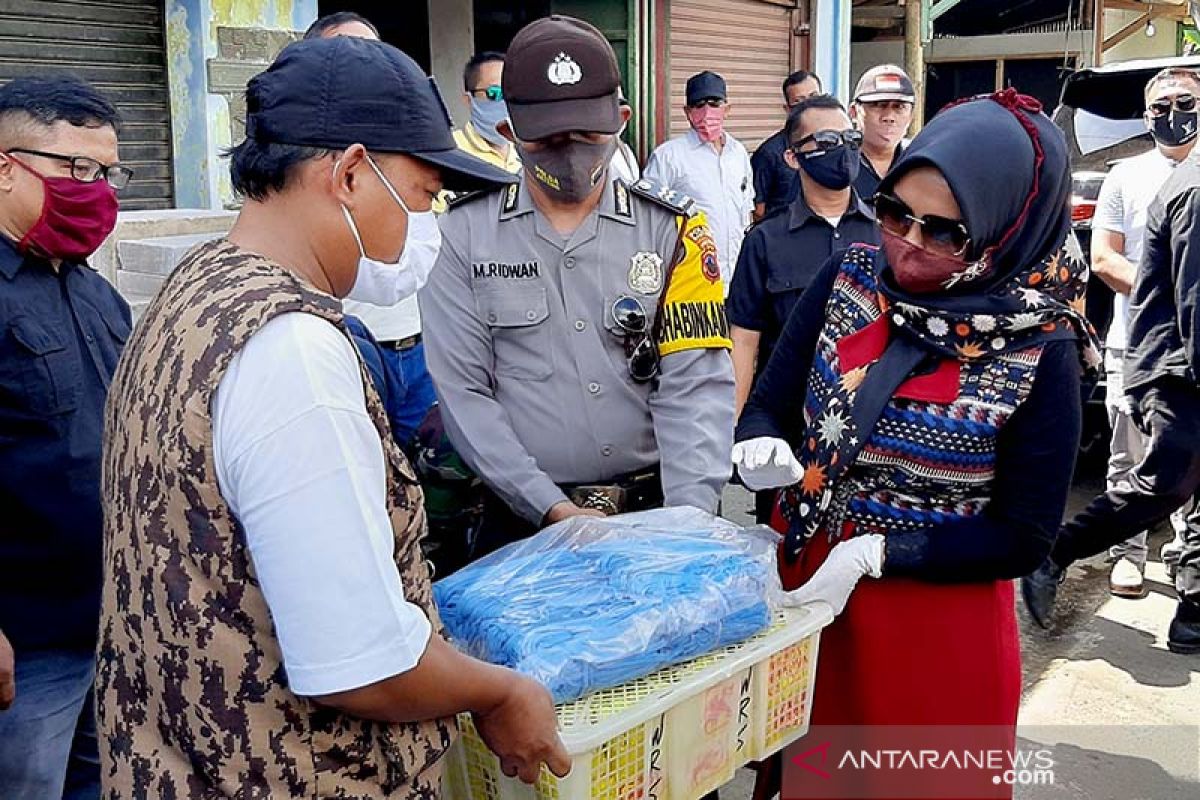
829,139
938,234
712,102
641,356
87,170
492,92
1184,102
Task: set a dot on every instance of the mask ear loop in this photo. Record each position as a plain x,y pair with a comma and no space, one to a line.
387,185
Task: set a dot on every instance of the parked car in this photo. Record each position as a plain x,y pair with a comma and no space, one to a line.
1100,112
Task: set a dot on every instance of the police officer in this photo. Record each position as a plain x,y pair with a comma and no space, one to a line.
575,326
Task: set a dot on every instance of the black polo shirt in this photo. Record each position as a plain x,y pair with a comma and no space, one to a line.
60,336
780,257
867,182
775,183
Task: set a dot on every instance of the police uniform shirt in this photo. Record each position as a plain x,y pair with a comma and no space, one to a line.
775,183
530,367
781,256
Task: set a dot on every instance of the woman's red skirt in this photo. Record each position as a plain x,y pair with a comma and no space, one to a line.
911,653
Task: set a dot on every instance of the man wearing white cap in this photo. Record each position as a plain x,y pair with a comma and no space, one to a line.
883,109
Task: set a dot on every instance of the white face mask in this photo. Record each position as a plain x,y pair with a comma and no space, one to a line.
384,284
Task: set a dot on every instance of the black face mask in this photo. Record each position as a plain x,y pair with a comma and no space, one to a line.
1174,128
835,168
569,171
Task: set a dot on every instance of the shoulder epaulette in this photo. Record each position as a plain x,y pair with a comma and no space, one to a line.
676,202
458,199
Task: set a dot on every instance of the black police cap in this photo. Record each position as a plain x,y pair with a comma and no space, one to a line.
332,93
560,75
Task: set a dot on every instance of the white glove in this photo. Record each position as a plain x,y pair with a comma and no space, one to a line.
846,563
766,463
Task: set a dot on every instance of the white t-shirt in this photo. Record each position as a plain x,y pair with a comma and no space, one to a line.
388,323
301,466
1125,197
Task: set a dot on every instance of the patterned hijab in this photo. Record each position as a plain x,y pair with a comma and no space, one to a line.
1014,201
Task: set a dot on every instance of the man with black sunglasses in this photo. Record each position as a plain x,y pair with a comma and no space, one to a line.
575,324
783,252
62,329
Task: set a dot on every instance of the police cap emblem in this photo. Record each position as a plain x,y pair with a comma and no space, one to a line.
646,273
564,70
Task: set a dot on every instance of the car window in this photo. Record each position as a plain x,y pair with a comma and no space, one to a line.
1093,132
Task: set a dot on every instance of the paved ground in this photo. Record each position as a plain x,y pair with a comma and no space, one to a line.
1121,711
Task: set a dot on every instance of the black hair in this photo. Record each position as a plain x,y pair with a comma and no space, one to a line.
45,101
259,168
318,28
800,76
471,70
816,101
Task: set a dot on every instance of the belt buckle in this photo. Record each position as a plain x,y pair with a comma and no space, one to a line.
608,500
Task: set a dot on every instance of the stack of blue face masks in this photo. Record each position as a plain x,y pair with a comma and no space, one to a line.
594,611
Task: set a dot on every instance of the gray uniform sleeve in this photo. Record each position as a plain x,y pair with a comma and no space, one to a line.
458,351
692,410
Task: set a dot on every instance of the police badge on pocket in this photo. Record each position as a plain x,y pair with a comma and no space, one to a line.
646,273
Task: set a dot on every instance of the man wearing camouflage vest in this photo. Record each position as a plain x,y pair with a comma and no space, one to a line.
268,628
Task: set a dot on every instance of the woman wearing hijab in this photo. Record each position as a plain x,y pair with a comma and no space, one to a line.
922,407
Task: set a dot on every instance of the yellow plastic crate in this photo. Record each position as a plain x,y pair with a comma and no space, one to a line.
676,734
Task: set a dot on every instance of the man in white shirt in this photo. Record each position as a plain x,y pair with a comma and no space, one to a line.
711,167
1117,234
268,621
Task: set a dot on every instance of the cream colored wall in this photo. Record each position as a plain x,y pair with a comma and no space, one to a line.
1139,45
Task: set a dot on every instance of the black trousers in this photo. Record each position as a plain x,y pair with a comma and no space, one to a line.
1166,479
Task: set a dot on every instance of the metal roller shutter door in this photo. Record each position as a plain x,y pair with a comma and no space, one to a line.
749,42
119,48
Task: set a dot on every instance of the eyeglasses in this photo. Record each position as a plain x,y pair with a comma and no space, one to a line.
492,92
1183,102
87,170
711,102
641,356
938,234
829,139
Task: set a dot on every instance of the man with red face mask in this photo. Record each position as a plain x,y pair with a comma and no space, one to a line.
62,327
710,166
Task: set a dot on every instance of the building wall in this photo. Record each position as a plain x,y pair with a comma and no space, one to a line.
864,55
213,48
451,45
1139,45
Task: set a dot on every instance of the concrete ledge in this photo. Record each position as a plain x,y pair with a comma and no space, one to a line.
156,256
157,224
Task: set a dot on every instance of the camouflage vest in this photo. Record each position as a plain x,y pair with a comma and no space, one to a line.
192,696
